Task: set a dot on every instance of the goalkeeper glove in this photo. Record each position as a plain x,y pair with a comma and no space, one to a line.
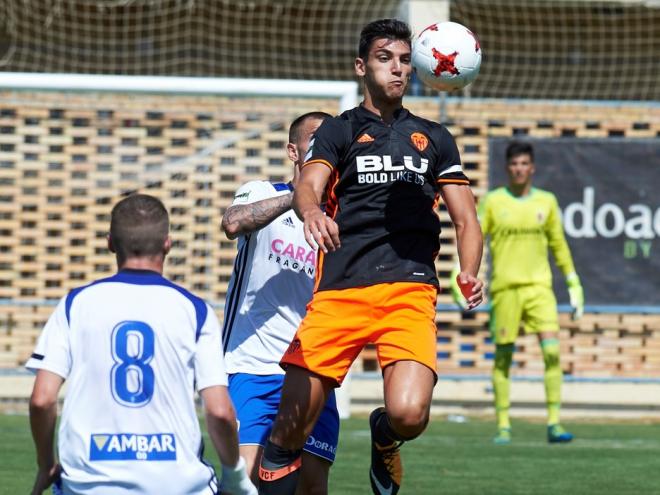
576,295
456,293
236,481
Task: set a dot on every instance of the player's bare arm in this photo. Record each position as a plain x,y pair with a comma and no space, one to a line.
43,416
221,423
461,208
241,220
320,230
221,426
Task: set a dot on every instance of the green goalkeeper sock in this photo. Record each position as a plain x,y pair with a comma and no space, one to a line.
501,383
552,378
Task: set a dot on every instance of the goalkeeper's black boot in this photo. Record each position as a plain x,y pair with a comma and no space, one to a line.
386,469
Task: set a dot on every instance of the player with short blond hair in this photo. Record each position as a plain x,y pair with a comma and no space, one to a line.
266,300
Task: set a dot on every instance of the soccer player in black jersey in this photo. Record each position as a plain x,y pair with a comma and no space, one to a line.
383,171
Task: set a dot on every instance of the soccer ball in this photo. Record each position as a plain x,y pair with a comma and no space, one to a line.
446,56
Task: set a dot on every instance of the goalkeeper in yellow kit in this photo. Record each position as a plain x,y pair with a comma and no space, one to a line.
523,222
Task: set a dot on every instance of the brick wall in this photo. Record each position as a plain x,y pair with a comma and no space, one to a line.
66,158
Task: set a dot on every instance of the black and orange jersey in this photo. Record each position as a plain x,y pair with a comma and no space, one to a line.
382,193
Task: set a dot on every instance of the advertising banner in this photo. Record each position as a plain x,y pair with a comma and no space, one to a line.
608,191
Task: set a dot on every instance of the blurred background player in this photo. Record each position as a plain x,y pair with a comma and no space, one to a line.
522,222
132,347
383,170
270,287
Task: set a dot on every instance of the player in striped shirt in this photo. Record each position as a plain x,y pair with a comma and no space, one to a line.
266,299
132,348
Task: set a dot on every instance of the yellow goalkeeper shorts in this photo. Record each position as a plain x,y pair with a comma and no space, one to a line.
533,305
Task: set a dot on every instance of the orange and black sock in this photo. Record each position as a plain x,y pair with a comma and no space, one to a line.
279,470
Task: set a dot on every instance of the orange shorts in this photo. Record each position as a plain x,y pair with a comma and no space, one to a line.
398,317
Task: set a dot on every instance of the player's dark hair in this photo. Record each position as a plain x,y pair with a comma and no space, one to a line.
391,29
139,225
296,125
516,148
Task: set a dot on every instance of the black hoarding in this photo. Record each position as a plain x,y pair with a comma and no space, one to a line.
608,193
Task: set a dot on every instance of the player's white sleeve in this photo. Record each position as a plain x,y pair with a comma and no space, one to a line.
209,360
53,351
253,191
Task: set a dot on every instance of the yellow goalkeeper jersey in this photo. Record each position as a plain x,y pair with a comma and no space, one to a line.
521,229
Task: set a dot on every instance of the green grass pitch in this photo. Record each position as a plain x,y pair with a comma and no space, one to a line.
455,458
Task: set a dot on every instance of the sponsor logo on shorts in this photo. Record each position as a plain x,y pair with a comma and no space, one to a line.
319,445
132,447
